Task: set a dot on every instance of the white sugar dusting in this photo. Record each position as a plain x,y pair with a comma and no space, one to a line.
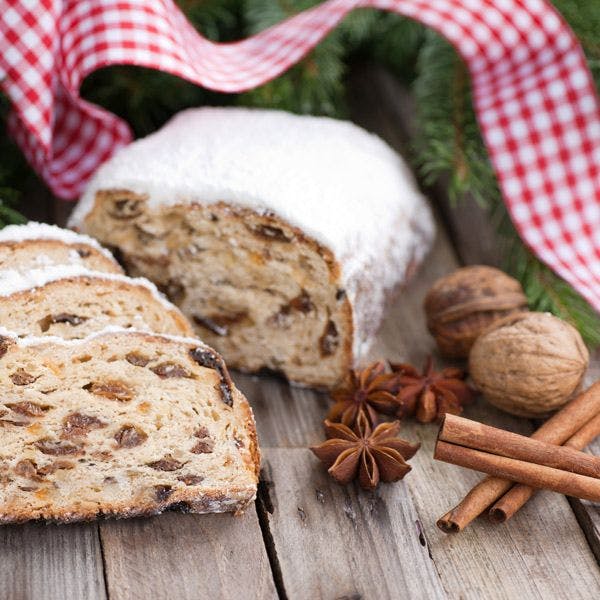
339,184
109,330
13,281
43,231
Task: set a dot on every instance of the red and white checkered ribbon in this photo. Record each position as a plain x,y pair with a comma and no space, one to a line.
534,96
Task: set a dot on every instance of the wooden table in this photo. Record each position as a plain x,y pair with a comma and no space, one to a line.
306,537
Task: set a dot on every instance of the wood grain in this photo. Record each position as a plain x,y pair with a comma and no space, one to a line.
342,542
484,555
186,557
50,562
286,416
588,513
471,228
532,546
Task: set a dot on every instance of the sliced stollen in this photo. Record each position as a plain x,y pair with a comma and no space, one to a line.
37,245
280,236
121,423
71,301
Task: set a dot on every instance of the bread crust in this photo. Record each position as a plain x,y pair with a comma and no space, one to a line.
237,501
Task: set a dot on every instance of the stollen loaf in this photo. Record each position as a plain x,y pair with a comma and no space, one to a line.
280,236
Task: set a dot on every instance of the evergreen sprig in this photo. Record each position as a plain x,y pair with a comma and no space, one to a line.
13,171
449,146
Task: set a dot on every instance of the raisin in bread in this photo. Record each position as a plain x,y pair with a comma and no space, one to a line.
71,301
280,236
36,245
120,424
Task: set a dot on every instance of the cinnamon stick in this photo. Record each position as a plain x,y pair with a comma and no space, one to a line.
473,504
556,430
531,474
478,436
518,495
586,435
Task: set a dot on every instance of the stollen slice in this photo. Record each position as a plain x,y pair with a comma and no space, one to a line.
71,301
37,245
121,423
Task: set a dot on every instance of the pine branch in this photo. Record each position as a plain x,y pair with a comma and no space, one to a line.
13,171
316,84
146,98
450,146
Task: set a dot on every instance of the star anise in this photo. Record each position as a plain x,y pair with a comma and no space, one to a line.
372,455
369,391
431,394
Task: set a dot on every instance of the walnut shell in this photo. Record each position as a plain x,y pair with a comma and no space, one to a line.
529,364
460,306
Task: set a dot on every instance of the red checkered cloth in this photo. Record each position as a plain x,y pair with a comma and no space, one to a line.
534,96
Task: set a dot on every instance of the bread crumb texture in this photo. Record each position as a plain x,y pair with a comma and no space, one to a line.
121,424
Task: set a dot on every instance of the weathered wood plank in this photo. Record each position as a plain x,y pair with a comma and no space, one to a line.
541,553
531,548
331,541
518,559
285,416
186,557
588,513
343,542
473,235
51,562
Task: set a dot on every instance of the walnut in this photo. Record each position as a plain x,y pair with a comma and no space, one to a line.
460,306
529,364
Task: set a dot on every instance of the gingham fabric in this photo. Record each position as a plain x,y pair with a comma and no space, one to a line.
534,96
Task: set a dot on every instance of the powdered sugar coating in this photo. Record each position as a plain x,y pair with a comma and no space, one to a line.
339,184
13,281
33,340
43,231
